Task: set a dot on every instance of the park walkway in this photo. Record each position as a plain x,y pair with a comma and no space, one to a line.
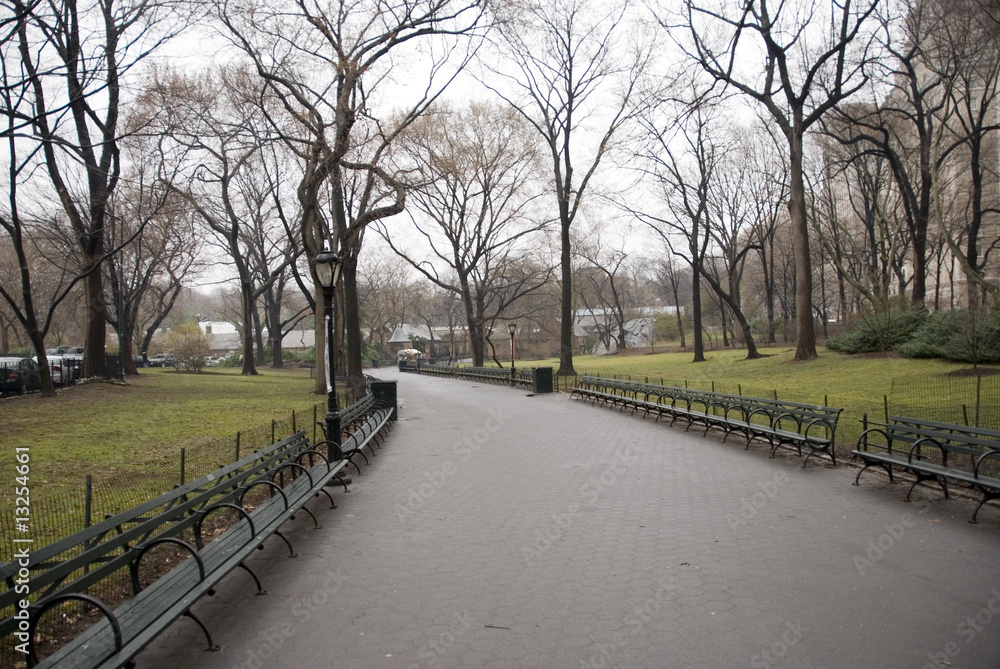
497,529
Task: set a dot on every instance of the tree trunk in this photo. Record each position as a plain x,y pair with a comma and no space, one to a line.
275,335
258,335
566,329
741,319
476,339
247,343
805,345
699,341
95,335
352,322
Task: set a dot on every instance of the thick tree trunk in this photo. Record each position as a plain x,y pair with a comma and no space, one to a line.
246,335
699,340
95,334
476,339
805,345
352,322
566,329
258,337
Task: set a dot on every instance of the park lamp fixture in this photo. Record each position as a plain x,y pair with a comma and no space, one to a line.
327,266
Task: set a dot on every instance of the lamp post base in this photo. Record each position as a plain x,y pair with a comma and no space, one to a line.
334,452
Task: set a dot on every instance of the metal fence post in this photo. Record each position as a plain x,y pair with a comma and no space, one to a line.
979,386
88,501
182,465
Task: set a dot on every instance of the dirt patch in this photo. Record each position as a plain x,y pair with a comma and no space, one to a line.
975,371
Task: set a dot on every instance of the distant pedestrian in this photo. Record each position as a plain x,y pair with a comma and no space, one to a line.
145,359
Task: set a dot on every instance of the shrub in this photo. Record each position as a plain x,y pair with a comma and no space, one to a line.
189,345
960,336
878,332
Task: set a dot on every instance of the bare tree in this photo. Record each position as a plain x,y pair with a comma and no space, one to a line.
573,65
731,227
798,82
217,122
603,288
477,172
969,49
330,65
679,162
669,277
73,59
387,297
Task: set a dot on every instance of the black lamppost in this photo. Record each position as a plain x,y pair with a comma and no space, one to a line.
327,265
512,328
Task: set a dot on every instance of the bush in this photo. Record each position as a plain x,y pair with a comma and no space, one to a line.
880,332
960,336
189,345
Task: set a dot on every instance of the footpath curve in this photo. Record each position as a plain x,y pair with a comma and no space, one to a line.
499,529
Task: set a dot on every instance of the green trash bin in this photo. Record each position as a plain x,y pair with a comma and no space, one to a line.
541,379
386,390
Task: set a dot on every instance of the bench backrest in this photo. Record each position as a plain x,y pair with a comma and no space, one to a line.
80,560
707,400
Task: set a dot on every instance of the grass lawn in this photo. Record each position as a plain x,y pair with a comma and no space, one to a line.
858,383
136,431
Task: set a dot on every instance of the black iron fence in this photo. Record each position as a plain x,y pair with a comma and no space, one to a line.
93,499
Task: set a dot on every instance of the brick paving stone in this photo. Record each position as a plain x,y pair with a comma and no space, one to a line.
499,529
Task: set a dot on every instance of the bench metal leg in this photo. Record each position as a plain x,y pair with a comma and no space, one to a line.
333,504
987,497
340,479
291,551
260,588
316,524
211,646
928,477
887,468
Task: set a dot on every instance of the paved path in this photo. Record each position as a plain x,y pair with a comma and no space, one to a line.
497,529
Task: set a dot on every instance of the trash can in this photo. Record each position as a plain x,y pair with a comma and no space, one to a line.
374,363
385,390
541,379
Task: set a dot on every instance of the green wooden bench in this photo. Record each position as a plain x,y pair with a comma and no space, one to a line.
933,451
781,423
290,471
260,492
363,424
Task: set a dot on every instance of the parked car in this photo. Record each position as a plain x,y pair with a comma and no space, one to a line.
19,375
163,360
62,371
